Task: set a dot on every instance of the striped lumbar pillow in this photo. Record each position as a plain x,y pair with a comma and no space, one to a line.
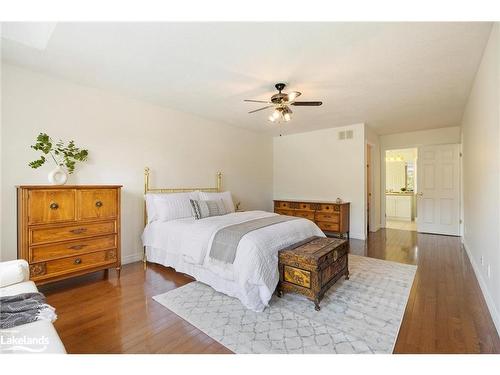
203,209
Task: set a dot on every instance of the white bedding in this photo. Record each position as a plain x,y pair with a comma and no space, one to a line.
184,244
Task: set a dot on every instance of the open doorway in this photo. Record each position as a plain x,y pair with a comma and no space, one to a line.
400,188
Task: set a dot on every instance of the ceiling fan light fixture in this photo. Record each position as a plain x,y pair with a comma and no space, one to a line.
281,102
293,95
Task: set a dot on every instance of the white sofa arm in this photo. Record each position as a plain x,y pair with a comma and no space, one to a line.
13,272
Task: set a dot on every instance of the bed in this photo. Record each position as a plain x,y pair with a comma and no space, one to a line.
184,244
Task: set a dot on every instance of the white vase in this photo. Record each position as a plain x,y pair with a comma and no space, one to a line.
58,176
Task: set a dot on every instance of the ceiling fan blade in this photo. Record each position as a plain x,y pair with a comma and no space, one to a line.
260,109
256,101
308,104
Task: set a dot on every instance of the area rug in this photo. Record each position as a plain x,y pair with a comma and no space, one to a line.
359,315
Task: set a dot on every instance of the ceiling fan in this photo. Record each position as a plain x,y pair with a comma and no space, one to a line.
280,102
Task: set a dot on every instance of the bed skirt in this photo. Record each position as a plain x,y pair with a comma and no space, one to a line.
252,297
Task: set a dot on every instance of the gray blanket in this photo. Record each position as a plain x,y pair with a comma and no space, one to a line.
226,240
23,308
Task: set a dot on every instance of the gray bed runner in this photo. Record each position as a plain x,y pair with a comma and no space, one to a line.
226,240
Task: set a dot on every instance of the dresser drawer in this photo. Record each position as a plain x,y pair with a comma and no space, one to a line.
62,266
284,212
282,205
325,207
305,214
70,232
326,216
51,206
70,248
332,227
97,204
304,206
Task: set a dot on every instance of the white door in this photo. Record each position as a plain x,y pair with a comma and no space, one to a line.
438,189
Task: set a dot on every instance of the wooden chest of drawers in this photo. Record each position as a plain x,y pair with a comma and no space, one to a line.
330,217
65,231
312,266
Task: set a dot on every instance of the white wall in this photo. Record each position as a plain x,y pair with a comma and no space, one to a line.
318,166
123,136
420,138
413,139
481,174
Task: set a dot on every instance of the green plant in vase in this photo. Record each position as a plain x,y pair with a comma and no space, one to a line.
65,157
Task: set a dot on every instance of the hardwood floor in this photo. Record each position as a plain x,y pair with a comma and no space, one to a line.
446,312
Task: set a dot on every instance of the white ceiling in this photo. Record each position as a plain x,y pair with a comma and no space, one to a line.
33,34
392,76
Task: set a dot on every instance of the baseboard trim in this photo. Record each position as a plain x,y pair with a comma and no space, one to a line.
132,258
357,236
495,315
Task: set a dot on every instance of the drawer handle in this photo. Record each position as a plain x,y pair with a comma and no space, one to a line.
78,261
78,230
77,247
54,206
98,204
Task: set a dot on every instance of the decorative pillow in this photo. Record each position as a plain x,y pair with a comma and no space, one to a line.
166,207
225,196
203,209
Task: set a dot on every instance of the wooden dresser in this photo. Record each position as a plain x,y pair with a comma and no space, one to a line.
65,231
329,216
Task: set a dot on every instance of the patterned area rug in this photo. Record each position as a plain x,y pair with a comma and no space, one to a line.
359,315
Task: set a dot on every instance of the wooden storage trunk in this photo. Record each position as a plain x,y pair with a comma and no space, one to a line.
312,266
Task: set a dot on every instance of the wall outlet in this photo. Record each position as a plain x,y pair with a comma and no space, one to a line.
482,260
489,272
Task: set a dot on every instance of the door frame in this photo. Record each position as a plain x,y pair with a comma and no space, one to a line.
369,206
383,173
373,219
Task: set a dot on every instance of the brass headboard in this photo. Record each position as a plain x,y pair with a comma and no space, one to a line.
148,189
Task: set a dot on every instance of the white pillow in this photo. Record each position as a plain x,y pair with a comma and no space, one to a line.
166,207
225,196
